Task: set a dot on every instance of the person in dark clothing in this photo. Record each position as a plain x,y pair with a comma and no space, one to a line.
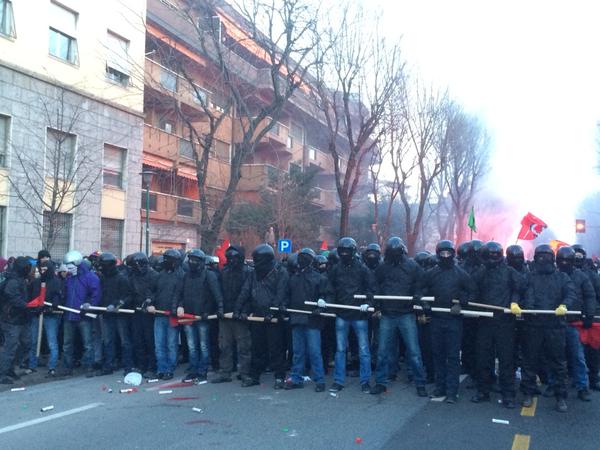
424,324
498,285
266,287
446,282
468,355
82,290
51,322
592,355
168,292
398,275
346,279
371,257
13,318
586,303
515,258
547,289
233,333
320,264
305,284
115,294
200,295
143,285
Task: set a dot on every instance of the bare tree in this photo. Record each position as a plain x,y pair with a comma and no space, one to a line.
467,159
355,82
421,156
59,179
258,63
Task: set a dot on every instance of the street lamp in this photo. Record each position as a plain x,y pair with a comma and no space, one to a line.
146,181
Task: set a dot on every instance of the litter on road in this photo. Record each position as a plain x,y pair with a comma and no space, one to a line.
165,392
503,422
198,410
153,380
127,391
17,389
47,408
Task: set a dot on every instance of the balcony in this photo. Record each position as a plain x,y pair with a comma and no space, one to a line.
257,177
170,83
320,159
168,145
171,208
277,138
325,198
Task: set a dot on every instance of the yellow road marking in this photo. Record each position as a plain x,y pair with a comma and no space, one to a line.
530,412
521,442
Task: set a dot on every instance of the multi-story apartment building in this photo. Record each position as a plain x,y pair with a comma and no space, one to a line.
296,142
71,125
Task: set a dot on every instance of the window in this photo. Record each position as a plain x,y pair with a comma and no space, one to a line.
219,102
295,169
220,150
63,27
7,19
185,207
186,149
152,201
112,169
168,80
4,136
166,125
200,95
111,236
297,132
117,59
312,153
2,226
60,154
57,233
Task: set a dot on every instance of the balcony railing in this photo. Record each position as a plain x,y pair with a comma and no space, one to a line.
256,177
325,198
172,208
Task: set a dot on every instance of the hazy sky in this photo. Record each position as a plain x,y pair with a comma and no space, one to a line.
531,70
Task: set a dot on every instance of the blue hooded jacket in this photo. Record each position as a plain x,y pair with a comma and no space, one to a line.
82,288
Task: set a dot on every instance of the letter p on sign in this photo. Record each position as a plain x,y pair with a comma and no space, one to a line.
284,246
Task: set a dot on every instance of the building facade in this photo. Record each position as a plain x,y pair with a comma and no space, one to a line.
71,125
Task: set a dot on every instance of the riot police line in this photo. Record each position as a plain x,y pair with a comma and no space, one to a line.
474,310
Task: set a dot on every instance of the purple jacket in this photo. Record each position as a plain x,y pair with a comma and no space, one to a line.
82,288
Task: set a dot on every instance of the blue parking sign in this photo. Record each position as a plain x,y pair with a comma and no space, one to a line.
284,245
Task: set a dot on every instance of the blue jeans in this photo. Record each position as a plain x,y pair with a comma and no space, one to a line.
113,325
446,337
84,327
165,341
307,339
361,328
51,324
197,336
407,325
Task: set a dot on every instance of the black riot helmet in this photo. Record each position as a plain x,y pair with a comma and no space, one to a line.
306,257
139,262
515,257
196,260
395,249
291,263
235,256
463,250
107,263
474,255
171,259
493,254
372,255
421,259
156,262
580,255
565,259
346,249
22,267
544,259
320,263
263,257
333,258
445,252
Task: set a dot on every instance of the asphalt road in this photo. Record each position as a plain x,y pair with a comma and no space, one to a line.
87,415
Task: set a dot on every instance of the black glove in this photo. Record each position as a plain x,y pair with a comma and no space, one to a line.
220,313
243,316
236,315
268,317
282,309
204,316
587,322
426,308
456,309
370,299
316,312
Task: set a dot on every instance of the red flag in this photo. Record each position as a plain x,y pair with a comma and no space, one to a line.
220,252
324,246
531,227
556,244
590,336
39,300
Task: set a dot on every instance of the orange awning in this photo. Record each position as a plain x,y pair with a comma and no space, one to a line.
187,172
157,162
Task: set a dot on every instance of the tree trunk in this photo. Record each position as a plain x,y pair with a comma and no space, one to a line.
411,241
344,216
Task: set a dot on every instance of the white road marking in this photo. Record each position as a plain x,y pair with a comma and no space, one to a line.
29,423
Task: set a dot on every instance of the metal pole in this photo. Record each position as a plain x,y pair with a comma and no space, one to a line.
148,219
